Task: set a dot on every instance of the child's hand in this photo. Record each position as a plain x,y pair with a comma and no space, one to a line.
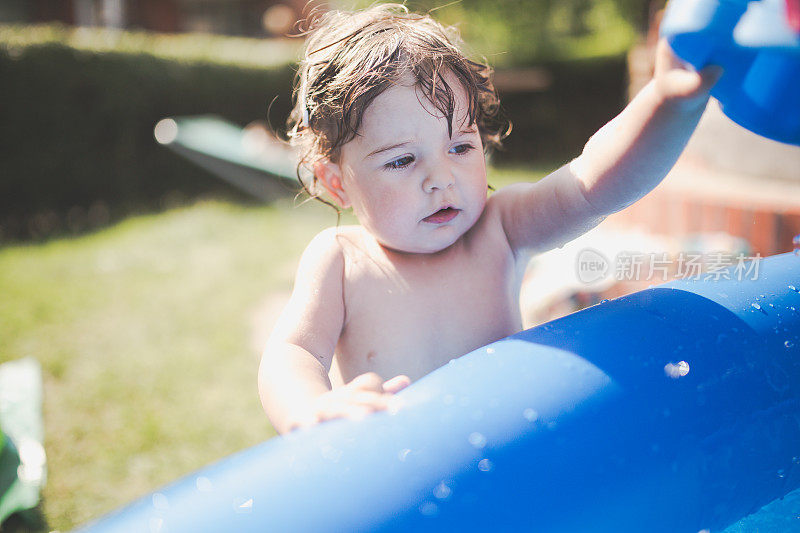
677,81
367,393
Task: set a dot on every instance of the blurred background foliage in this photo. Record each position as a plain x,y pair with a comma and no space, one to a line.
79,103
523,32
78,110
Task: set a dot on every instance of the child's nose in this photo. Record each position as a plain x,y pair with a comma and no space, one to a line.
438,178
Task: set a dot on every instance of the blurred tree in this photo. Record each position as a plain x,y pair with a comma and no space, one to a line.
522,32
639,13
577,21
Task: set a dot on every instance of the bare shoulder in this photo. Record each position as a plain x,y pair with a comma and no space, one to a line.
507,198
321,270
325,242
490,228
326,256
326,250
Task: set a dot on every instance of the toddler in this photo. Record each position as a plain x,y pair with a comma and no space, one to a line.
393,122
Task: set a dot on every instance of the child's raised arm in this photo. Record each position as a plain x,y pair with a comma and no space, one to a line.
622,162
293,376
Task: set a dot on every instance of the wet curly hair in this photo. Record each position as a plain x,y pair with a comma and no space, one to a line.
352,57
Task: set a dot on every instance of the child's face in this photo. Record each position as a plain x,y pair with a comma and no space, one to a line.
411,185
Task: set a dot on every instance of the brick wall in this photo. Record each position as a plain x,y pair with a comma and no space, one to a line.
679,213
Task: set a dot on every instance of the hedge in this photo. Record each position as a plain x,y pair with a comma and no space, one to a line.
552,125
78,106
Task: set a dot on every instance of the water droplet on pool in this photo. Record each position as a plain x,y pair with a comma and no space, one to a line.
676,370
772,305
781,473
485,465
796,460
490,350
477,440
604,300
160,502
242,505
755,306
530,414
788,344
429,509
442,491
402,454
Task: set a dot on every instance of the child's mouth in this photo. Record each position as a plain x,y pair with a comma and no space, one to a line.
442,215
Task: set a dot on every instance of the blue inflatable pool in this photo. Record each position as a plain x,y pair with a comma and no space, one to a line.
673,409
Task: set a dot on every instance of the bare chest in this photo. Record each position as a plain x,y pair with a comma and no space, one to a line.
412,317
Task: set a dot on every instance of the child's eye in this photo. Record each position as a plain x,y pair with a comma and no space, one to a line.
400,162
461,149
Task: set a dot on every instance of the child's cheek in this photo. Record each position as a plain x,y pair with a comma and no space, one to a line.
390,206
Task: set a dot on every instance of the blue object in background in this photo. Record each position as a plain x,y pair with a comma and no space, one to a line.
760,52
673,409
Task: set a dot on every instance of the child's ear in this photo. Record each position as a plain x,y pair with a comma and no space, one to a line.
329,175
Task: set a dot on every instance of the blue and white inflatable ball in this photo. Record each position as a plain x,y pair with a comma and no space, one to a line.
758,44
673,409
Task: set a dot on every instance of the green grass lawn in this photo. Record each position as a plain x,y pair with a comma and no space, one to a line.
147,335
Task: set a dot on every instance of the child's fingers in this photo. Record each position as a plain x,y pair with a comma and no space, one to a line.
676,78
364,398
347,410
365,394
369,381
689,84
683,83
357,412
396,384
374,400
666,59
